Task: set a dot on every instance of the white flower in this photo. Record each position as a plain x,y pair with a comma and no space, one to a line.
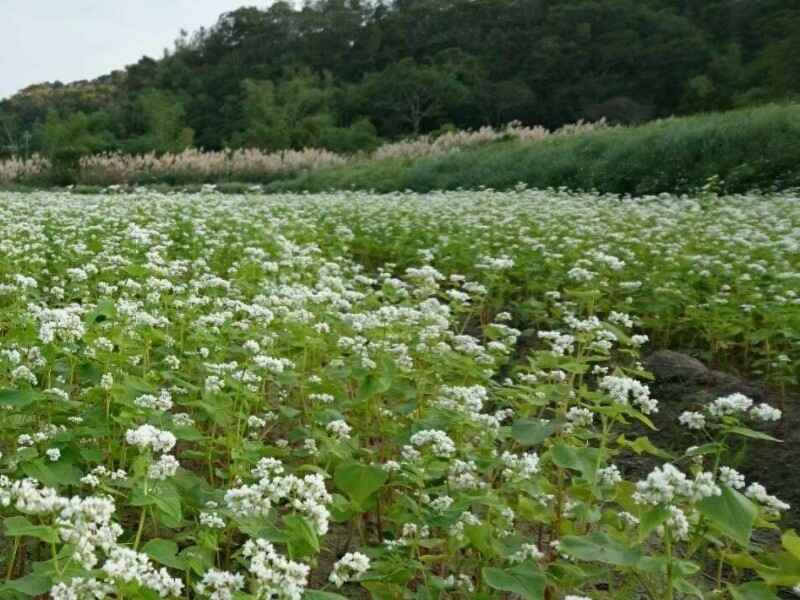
692,420
340,429
440,442
772,505
624,390
526,552
219,585
276,576
53,454
80,588
580,417
609,476
731,477
665,483
148,437
349,568
107,381
166,466
730,405
765,412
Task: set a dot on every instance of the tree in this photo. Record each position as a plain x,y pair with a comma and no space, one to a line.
265,124
65,139
410,93
163,119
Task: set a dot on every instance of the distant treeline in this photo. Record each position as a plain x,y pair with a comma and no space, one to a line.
342,75
733,151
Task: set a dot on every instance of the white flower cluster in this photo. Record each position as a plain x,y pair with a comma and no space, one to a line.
62,324
81,588
732,405
219,585
124,564
351,567
277,578
162,402
85,525
526,552
339,428
440,442
665,484
521,467
307,495
772,505
147,437
624,390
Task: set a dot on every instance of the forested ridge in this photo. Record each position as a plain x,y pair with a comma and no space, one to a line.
344,74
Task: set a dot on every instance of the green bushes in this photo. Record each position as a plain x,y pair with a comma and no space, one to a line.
747,149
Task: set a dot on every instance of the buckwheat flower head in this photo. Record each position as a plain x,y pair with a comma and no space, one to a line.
526,552
80,588
609,476
148,437
340,429
580,417
219,585
731,477
107,381
166,466
128,566
772,504
664,484
730,405
439,441
765,412
624,390
351,567
522,467
692,420
276,576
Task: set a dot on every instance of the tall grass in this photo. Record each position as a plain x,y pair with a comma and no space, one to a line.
745,149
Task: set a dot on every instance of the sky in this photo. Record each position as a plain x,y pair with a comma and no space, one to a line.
68,40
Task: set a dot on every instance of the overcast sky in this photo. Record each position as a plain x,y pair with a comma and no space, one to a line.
65,40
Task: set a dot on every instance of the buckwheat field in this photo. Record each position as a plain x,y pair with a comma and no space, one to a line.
405,396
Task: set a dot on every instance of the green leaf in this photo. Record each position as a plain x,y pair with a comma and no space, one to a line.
730,514
752,433
583,460
18,398
320,595
168,501
302,537
20,526
523,580
755,590
531,432
373,385
791,542
30,585
480,536
164,552
652,519
102,312
642,445
63,472
198,559
599,547
359,481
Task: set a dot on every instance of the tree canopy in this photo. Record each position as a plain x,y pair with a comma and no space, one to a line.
342,74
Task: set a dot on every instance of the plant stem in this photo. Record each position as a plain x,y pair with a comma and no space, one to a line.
140,529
